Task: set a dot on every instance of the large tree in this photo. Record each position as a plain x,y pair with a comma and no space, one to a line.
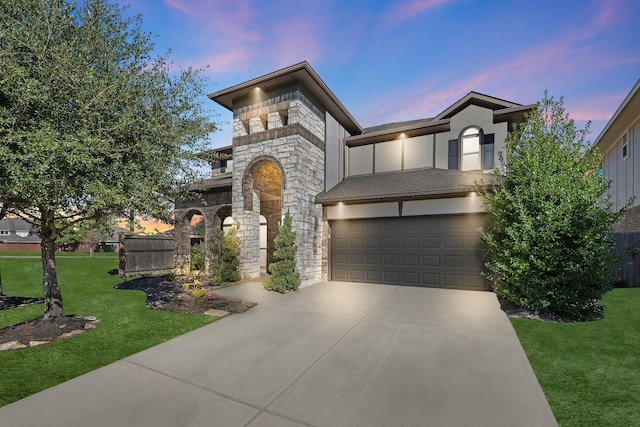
548,245
92,124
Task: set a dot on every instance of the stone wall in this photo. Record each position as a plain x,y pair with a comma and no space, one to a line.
301,157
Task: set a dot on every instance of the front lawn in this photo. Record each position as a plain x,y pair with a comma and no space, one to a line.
126,326
590,372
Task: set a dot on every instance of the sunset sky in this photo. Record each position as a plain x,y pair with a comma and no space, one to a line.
400,60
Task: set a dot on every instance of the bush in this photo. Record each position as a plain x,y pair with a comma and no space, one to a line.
229,262
547,244
284,277
197,258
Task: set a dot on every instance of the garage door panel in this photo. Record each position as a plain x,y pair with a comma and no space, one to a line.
455,242
431,279
410,279
373,243
431,260
374,276
372,260
340,259
434,251
410,260
431,242
356,259
453,261
391,242
390,260
356,243
340,243
392,277
356,275
410,243
340,274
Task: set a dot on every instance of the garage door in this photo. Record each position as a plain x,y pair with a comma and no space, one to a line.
433,251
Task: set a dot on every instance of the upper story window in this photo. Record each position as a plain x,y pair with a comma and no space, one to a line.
470,149
473,151
4,232
625,146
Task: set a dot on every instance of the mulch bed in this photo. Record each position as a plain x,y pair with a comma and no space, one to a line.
7,302
172,296
161,295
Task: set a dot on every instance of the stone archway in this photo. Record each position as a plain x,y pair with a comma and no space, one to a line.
212,217
262,188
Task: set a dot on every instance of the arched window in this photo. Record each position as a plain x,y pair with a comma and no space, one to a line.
472,151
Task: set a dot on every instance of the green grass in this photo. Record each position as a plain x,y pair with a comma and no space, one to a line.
60,254
126,326
590,372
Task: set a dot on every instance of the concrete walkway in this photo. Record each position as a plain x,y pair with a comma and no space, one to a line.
332,354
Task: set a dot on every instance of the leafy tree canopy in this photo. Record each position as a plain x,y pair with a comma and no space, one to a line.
547,245
91,122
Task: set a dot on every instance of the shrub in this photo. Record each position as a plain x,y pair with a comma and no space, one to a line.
229,262
284,277
197,258
198,293
547,244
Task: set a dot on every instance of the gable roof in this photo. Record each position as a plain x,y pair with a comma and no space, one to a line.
475,98
502,111
403,185
624,116
301,73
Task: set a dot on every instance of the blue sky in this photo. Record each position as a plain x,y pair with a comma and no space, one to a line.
390,61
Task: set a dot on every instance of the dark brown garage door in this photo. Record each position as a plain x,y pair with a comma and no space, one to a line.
434,251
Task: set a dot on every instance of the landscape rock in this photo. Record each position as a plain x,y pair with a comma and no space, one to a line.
216,313
11,345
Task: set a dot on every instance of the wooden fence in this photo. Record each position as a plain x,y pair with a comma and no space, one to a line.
630,271
146,255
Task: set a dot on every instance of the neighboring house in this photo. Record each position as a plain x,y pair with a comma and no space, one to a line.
17,234
619,142
393,203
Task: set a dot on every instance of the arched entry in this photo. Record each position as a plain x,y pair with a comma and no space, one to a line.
197,225
263,184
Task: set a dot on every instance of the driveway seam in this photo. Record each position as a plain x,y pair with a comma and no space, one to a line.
220,394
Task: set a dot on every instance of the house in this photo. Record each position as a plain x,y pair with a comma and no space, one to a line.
619,142
393,203
17,235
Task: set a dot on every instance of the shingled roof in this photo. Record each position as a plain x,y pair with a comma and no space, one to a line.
403,185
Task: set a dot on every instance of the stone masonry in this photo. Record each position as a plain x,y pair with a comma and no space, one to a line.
287,130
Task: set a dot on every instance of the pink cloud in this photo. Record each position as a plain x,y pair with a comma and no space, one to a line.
178,4
290,50
408,10
609,13
595,108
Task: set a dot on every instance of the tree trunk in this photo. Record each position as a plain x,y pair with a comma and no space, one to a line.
52,296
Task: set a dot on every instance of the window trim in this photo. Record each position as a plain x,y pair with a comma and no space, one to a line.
625,146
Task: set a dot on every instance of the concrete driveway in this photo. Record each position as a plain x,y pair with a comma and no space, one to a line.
332,354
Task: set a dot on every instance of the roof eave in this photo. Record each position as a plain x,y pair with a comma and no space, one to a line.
475,98
426,128
513,114
303,73
437,194
616,126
